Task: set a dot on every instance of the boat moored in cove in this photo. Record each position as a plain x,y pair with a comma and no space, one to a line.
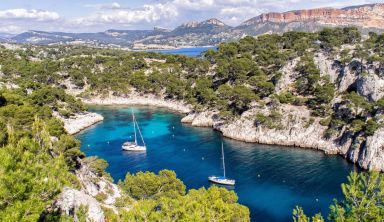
134,146
223,180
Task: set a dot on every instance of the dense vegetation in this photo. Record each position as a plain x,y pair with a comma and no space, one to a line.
163,198
232,79
38,158
33,167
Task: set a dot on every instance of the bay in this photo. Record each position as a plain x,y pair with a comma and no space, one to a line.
271,180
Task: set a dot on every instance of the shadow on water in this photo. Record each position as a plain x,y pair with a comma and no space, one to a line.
270,180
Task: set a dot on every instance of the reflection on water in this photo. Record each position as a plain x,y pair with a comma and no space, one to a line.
270,180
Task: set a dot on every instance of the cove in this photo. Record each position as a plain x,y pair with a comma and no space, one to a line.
270,180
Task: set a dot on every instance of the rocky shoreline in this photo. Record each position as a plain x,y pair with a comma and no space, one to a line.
295,132
79,121
137,99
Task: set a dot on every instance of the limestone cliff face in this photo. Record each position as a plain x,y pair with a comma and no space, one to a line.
371,86
371,154
72,199
364,16
297,127
203,119
138,99
299,132
92,185
79,121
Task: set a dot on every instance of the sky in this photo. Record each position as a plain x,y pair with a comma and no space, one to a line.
17,16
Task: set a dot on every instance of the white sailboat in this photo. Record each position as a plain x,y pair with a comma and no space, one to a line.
134,146
222,179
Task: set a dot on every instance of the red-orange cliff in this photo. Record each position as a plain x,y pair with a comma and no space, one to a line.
368,16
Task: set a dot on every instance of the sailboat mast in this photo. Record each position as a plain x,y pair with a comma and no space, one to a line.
222,153
141,135
134,126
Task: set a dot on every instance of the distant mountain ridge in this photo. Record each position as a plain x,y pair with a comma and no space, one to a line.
368,17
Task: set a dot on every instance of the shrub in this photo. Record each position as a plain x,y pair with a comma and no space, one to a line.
309,122
147,185
97,165
101,196
370,127
286,97
357,125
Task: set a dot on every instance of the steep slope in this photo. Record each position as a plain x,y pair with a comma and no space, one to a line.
367,17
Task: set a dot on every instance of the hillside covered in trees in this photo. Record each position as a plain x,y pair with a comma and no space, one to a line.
41,165
330,84
319,90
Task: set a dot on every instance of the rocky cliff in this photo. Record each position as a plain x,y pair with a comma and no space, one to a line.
96,194
79,121
296,125
139,99
370,16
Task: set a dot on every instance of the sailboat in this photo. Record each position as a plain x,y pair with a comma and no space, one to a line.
222,179
134,146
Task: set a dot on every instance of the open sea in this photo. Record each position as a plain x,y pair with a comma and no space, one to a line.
192,52
270,180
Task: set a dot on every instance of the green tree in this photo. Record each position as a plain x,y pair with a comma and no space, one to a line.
140,81
69,148
362,54
324,93
309,75
363,195
240,68
3,133
214,204
370,127
242,96
31,178
147,185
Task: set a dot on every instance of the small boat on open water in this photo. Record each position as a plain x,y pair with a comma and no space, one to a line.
134,146
223,180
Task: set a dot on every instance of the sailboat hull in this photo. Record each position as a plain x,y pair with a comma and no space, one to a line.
128,146
133,146
222,180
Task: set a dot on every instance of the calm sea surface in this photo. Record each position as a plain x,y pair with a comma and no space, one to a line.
270,180
193,52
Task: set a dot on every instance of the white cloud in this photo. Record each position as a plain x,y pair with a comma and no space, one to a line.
10,28
194,4
147,14
37,15
113,5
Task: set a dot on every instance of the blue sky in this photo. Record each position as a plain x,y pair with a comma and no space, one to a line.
98,15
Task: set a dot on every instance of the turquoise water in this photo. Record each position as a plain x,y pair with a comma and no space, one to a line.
271,180
193,52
